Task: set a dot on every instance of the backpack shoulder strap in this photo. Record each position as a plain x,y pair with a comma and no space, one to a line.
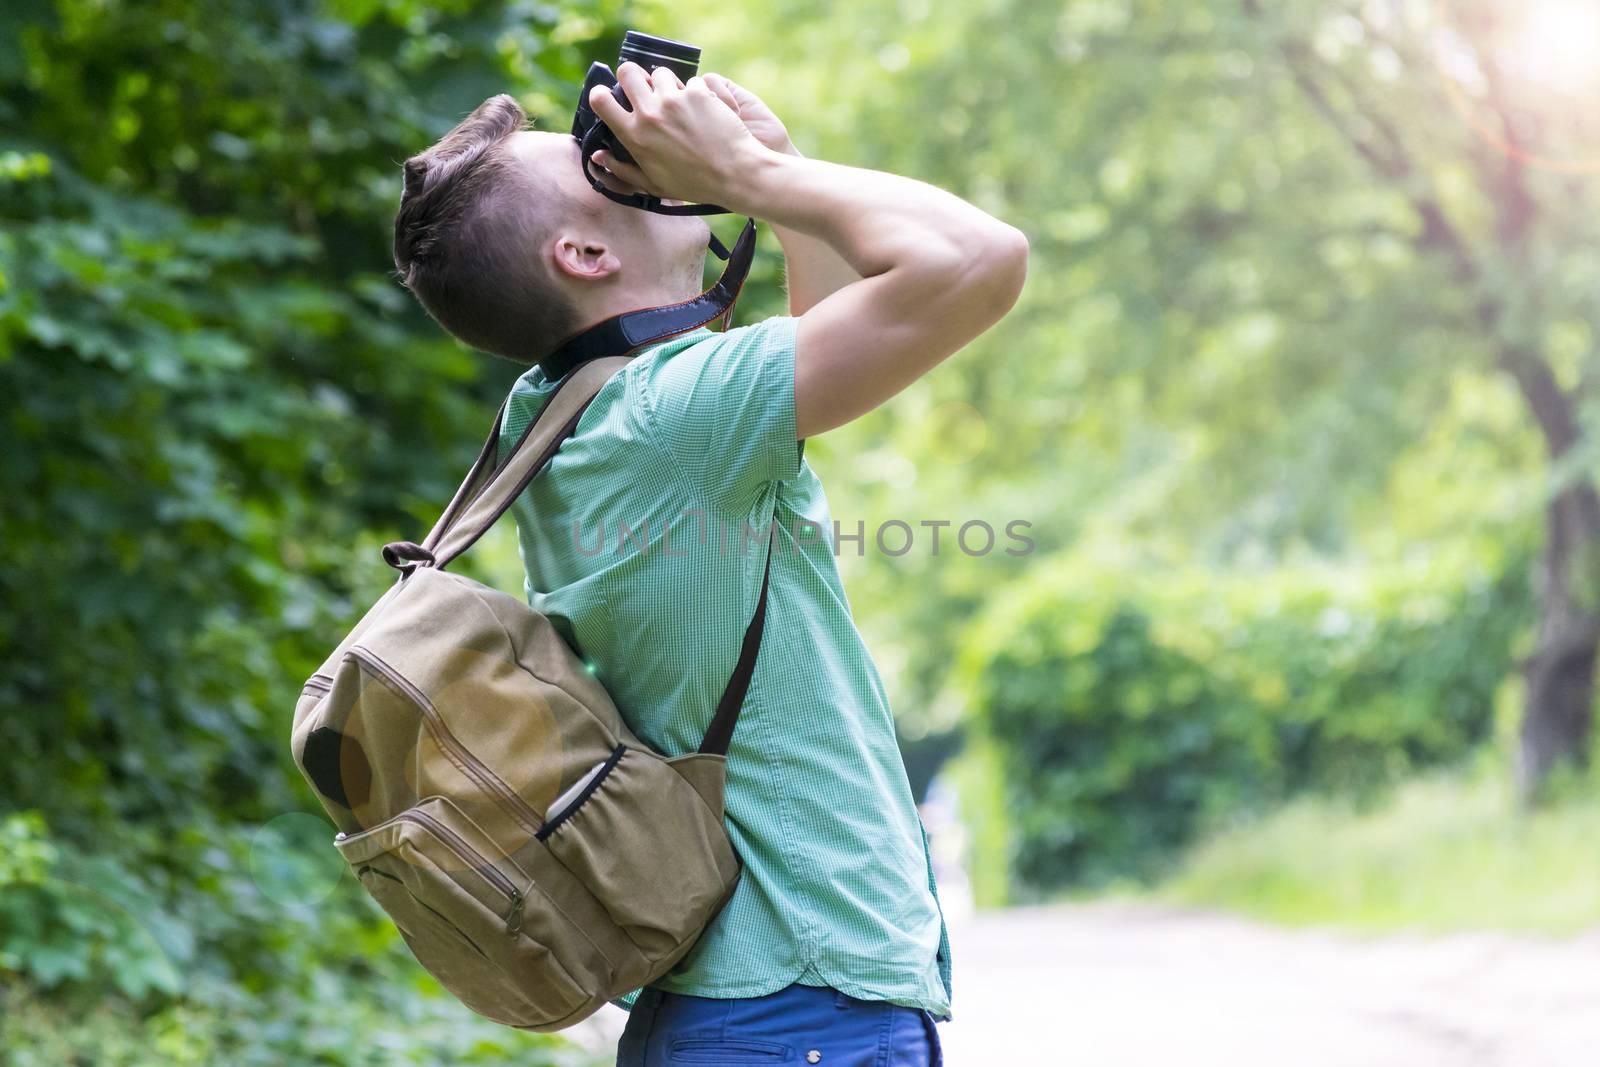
489,489
482,469
556,422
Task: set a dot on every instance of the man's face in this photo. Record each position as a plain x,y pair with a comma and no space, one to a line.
666,249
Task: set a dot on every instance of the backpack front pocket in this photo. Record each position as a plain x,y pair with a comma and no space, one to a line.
461,905
649,849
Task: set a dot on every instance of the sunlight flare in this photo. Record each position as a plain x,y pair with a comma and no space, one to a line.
1557,43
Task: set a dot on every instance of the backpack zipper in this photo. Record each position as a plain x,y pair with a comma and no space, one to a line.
491,782
479,863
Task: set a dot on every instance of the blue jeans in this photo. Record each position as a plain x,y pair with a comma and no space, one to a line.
798,1025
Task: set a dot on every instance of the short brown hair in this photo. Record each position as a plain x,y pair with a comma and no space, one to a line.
466,237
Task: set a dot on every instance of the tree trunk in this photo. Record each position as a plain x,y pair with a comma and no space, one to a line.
1560,673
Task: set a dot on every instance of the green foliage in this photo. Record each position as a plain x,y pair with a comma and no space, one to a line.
80,933
149,951
221,404
1230,339
1134,712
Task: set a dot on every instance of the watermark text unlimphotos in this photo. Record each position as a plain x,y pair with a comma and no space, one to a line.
697,530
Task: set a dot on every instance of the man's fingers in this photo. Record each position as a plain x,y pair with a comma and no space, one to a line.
723,88
636,83
606,178
626,174
664,80
721,82
744,96
611,112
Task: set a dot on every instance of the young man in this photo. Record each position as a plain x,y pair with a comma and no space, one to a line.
636,538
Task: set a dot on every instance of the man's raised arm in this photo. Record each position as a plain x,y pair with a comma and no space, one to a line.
935,271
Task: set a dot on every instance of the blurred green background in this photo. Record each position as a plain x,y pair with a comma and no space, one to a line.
1299,402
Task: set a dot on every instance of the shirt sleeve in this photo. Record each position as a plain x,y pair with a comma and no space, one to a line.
724,411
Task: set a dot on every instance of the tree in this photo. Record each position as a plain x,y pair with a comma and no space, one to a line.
1285,288
1523,270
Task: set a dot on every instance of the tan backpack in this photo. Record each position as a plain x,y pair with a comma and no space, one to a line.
538,858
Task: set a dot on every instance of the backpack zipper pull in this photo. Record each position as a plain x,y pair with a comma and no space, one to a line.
514,915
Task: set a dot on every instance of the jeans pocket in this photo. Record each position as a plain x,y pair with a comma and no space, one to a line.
711,1049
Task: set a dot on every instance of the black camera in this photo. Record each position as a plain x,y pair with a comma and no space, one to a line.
592,134
647,51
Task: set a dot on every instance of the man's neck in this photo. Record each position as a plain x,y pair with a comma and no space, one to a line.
621,302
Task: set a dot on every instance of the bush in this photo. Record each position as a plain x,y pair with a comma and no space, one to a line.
219,944
1133,711
221,405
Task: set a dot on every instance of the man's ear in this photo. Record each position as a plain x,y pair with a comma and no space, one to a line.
584,259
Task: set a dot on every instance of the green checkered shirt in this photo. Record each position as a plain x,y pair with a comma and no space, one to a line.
641,543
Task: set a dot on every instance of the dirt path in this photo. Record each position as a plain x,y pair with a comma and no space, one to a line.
1119,985
1110,985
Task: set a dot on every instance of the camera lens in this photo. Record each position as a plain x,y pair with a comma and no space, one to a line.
652,52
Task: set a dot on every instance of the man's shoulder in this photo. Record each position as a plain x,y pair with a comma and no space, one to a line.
713,401
702,346
704,371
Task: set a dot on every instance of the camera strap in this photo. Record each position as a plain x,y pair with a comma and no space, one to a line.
622,334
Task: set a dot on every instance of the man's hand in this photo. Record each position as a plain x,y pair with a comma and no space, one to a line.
812,270
758,118
919,272
687,142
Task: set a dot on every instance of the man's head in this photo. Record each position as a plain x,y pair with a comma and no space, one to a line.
509,248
